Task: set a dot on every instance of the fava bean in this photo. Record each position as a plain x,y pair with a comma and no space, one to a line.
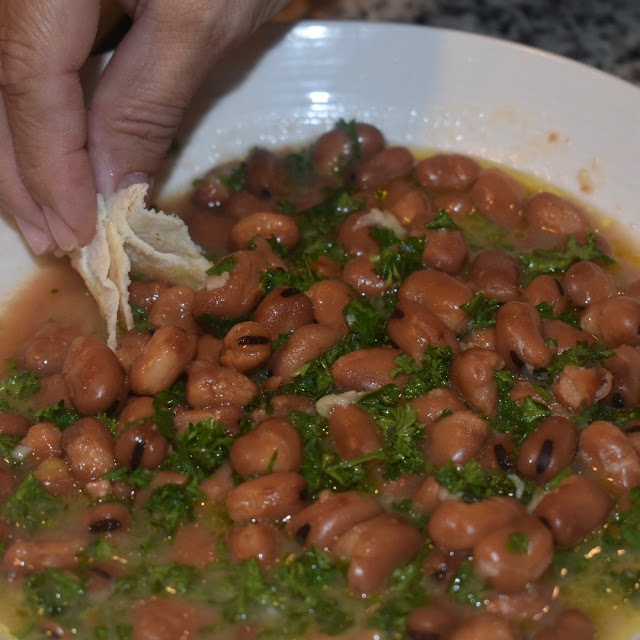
486,626
265,225
89,448
499,197
447,172
367,369
382,167
209,385
545,289
433,404
174,306
586,283
555,216
615,320
353,432
47,350
458,437
445,250
495,273
283,310
472,374
257,540
246,347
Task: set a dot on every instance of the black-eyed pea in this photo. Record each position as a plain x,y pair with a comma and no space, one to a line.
141,445
434,620
586,283
367,369
472,374
144,293
549,449
615,320
89,448
163,360
209,385
495,273
611,456
433,404
382,167
46,351
257,540
353,432
273,445
514,555
457,526
283,310
447,172
44,440
230,294
413,328
486,626
623,366
499,197
175,306
265,175
570,623
441,294
579,387
330,516
549,290
408,203
94,376
556,216
246,347
55,477
445,250
375,548
270,498
329,298
577,507
108,518
458,437
306,343
266,225
13,424
519,337
359,273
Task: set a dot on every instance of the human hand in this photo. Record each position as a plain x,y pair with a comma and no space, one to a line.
54,154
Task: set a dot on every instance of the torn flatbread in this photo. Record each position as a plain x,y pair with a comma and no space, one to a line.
131,238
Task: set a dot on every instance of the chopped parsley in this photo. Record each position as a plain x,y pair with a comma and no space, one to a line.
226,265
17,388
60,415
433,373
466,587
583,354
31,507
397,258
518,542
482,312
442,220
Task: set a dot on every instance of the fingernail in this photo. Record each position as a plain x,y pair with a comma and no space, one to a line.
135,178
39,241
62,234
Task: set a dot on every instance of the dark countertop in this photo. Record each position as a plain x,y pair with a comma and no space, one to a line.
601,33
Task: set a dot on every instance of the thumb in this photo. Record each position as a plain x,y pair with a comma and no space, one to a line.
152,76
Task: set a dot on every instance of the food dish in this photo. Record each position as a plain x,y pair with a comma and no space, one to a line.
551,139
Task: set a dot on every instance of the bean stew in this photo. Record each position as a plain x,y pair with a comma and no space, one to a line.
405,404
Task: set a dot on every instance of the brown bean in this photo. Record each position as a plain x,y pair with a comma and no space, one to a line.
381,168
519,337
499,197
375,548
496,274
447,172
353,432
458,526
306,343
246,347
13,424
615,320
44,439
175,306
508,569
441,294
547,289
366,369
458,437
577,507
549,449
46,351
571,623
108,518
329,298
273,445
257,540
193,546
30,556
623,365
556,216
579,387
408,203
169,618
145,292
130,347
472,374
266,225
265,175
587,283
486,626
283,310
445,250
413,329
359,273
54,475
163,360
330,516
89,448
230,295
433,404
141,445
94,376
272,497
209,385
612,457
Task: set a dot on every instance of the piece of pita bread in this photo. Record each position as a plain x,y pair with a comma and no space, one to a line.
131,238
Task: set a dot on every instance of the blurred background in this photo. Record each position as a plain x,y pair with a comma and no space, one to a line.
602,33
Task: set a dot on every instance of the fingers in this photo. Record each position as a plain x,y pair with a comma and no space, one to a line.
42,46
149,82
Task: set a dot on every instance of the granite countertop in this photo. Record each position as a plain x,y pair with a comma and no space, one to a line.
601,33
